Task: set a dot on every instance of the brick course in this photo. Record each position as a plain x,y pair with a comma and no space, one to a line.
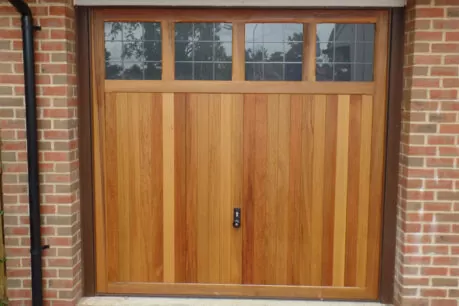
428,218
57,120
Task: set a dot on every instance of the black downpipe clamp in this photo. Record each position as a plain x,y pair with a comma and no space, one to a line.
32,149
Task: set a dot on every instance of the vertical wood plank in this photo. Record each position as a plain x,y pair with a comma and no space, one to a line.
378,152
339,244
309,52
192,188
168,50
202,205
295,186
328,188
215,175
304,217
283,173
111,186
353,191
364,189
272,222
317,190
249,135
260,259
123,194
236,187
97,66
238,51
182,231
168,115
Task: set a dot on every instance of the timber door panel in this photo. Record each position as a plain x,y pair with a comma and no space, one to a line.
173,158
133,190
208,248
306,190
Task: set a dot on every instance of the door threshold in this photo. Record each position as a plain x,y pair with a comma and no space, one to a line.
125,301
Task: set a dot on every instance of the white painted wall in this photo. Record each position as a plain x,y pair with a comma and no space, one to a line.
247,3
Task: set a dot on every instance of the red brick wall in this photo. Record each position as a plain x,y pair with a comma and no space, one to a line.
427,271
57,119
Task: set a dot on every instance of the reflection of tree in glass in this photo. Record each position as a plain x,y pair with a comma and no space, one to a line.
141,50
201,42
293,55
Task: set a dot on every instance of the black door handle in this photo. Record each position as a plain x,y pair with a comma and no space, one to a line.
237,218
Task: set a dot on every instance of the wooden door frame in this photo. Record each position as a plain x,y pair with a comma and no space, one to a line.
394,94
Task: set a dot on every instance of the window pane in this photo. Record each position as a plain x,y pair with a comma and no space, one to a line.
345,52
133,50
203,51
274,51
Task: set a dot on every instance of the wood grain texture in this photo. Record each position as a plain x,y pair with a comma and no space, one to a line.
134,190
303,160
238,51
213,150
353,186
341,189
168,117
246,87
240,15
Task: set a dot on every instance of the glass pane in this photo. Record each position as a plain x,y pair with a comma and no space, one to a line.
363,72
254,72
324,72
152,31
152,51
342,72
132,31
345,52
293,72
113,70
153,71
184,51
325,32
364,53
133,71
223,32
113,50
127,51
273,72
274,52
113,31
223,52
183,71
223,71
276,44
294,52
365,32
345,32
133,51
203,71
203,51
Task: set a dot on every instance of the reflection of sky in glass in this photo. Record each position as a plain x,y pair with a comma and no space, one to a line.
268,34
324,31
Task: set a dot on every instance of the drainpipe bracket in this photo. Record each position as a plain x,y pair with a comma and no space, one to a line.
46,246
37,28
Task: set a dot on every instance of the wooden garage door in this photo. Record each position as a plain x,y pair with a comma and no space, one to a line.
200,115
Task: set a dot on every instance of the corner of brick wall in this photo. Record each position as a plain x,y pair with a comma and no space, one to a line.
427,268
58,144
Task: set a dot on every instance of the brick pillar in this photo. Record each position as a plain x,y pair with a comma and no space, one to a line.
57,120
427,269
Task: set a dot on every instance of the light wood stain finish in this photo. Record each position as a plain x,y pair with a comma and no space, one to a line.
302,160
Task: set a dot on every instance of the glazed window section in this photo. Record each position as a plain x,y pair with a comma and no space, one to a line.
203,51
273,51
345,52
132,50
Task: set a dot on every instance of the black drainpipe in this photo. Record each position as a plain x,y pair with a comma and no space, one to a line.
32,148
